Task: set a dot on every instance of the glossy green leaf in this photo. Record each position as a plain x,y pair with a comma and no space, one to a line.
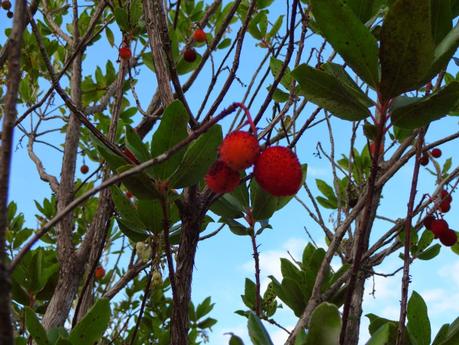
418,321
355,44
422,112
93,325
139,184
126,209
172,129
197,158
257,331
441,335
35,328
407,47
136,146
325,325
327,92
235,340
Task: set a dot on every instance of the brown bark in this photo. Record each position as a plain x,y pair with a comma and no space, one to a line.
9,117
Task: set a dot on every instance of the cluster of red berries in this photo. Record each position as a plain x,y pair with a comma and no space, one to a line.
440,227
435,153
277,169
6,5
189,55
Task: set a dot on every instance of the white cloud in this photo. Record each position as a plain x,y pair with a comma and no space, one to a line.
447,272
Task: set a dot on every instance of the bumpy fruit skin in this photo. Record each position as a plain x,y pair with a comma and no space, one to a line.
449,238
239,150
436,153
199,35
439,227
189,55
84,169
125,53
278,171
221,178
424,160
99,273
6,5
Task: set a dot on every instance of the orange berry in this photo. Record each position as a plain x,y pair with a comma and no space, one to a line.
199,35
99,273
125,53
239,150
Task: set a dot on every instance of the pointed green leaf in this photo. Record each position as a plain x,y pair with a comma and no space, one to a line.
355,44
235,340
422,112
35,328
407,47
139,184
172,129
418,321
198,158
91,328
257,331
125,208
136,146
382,335
325,325
327,92
441,19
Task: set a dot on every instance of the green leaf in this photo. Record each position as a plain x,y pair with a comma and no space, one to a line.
198,158
136,146
441,334
257,331
327,92
325,325
407,47
263,203
172,129
326,203
276,66
121,18
382,335
110,36
355,44
91,328
140,184
235,340
441,19
126,209
420,113
418,321
443,53
35,328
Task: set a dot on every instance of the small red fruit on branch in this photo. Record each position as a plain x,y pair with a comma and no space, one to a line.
125,53
427,222
439,227
221,178
99,273
239,150
189,55
278,171
84,169
424,160
449,238
199,35
436,153
6,5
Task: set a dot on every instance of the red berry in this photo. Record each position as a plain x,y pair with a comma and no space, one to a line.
427,222
239,150
129,195
10,14
445,206
424,160
436,153
449,238
445,196
199,35
221,178
125,53
439,227
99,273
278,171
84,169
189,55
6,5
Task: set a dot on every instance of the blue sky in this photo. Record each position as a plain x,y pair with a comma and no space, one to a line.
224,261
